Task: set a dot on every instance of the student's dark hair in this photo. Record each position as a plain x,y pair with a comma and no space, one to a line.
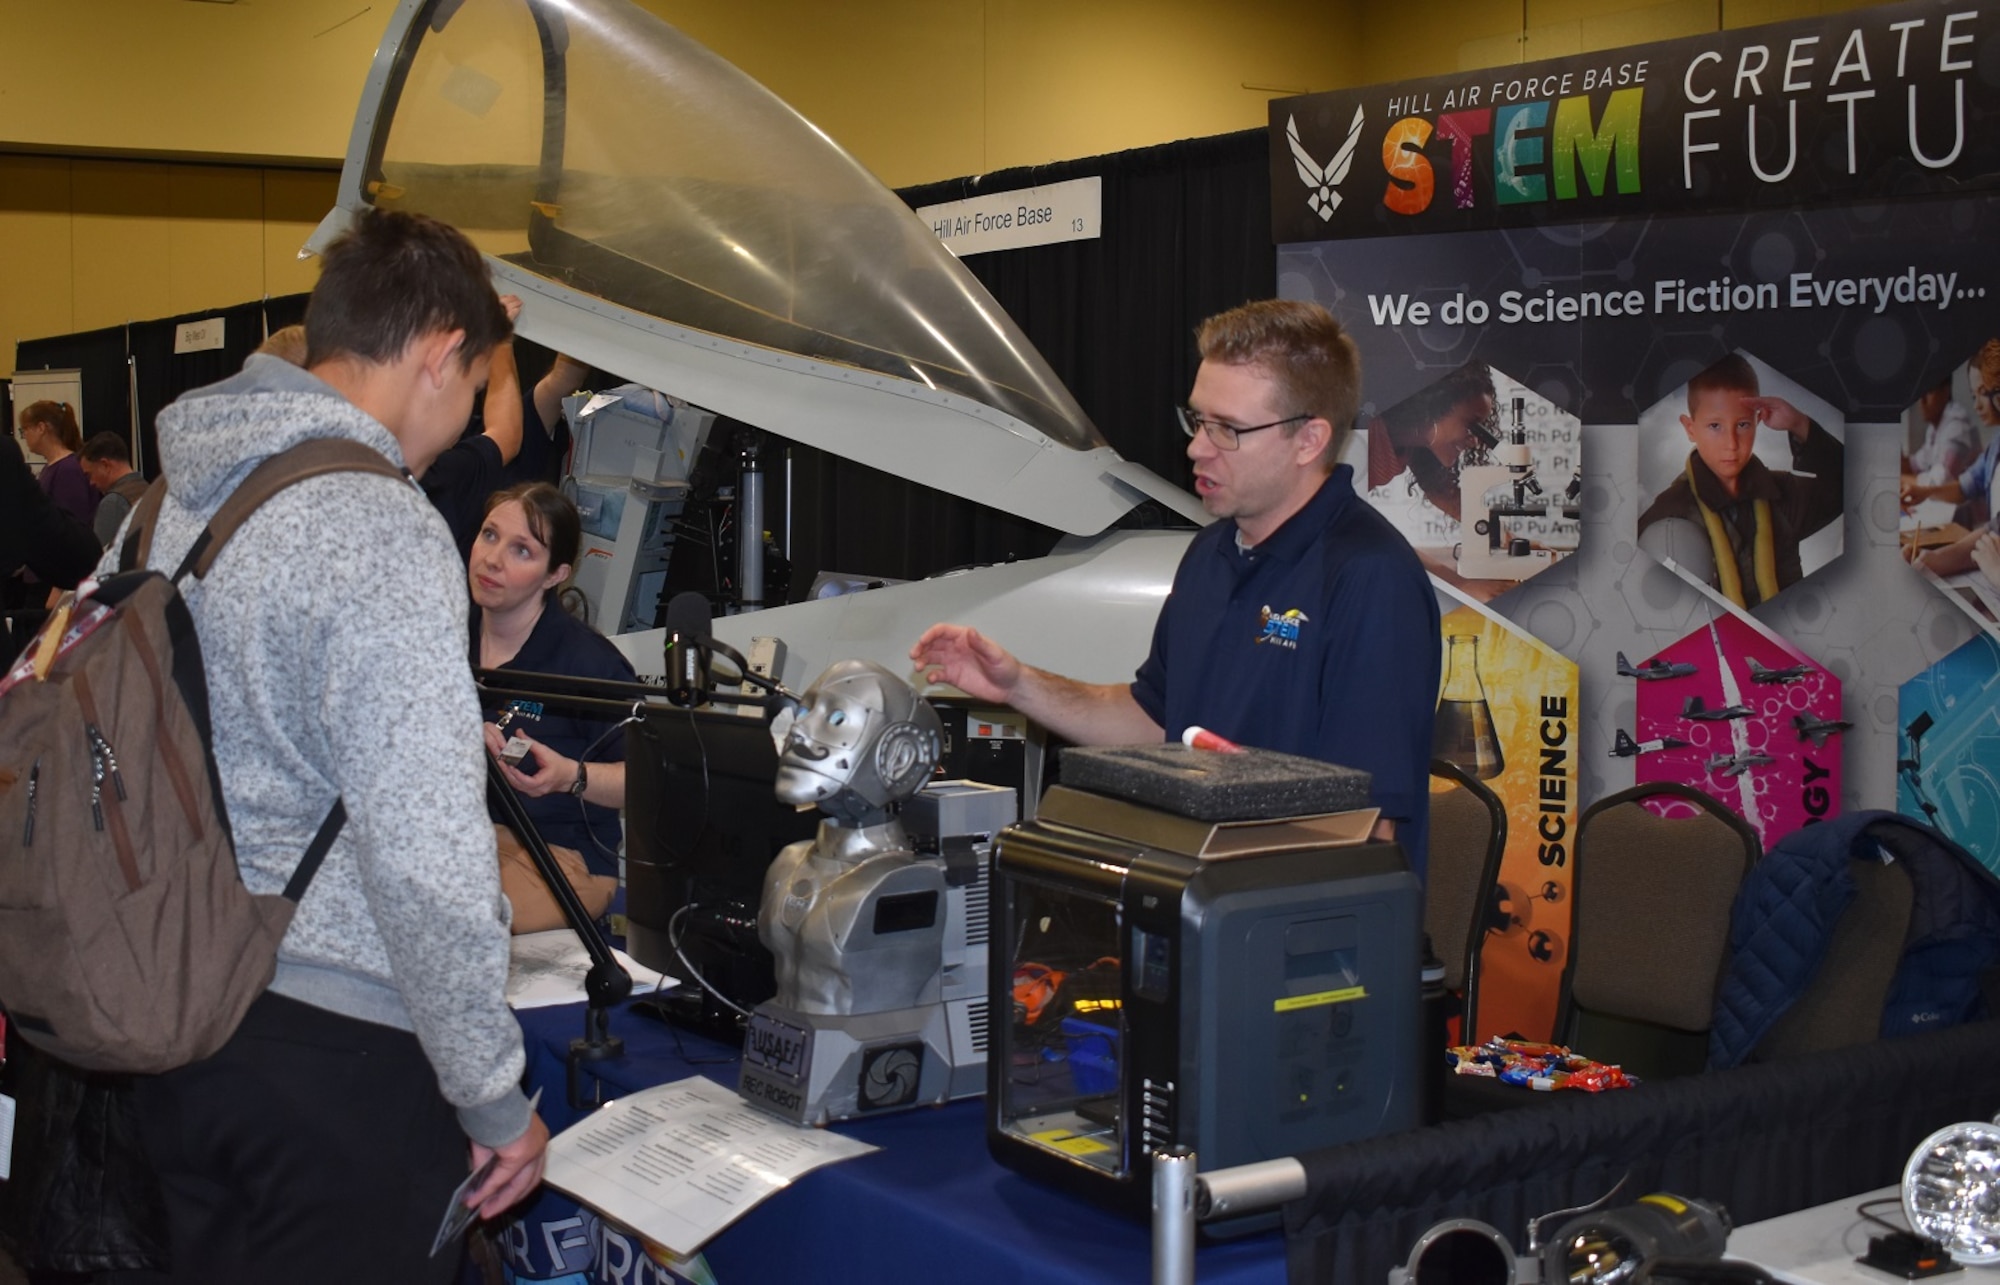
102,447
1730,375
394,277
1305,351
1409,420
552,518
58,418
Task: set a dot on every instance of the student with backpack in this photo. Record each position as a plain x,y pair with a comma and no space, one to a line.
323,1141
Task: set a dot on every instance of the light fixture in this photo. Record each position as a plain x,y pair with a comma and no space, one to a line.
1951,1190
1595,1247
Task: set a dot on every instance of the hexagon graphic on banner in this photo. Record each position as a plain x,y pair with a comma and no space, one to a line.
1949,511
1741,471
1948,748
1481,474
1740,714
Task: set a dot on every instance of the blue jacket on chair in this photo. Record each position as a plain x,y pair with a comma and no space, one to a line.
1785,914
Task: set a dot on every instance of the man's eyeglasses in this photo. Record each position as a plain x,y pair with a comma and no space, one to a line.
1222,434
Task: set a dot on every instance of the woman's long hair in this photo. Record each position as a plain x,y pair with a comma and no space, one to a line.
59,419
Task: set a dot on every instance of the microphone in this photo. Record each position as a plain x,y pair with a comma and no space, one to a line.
687,644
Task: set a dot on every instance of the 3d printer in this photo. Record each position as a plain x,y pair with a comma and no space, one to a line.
1182,959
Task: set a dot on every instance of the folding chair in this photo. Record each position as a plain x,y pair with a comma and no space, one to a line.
1650,904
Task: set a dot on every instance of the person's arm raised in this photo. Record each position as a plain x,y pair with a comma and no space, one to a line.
1085,713
501,408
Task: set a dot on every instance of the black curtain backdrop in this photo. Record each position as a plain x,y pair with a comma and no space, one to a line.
1185,234
100,356
160,375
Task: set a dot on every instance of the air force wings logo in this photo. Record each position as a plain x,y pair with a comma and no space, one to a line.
1320,180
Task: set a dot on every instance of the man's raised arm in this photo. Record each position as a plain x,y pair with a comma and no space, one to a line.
1085,713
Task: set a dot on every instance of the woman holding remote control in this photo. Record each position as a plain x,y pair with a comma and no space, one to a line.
569,771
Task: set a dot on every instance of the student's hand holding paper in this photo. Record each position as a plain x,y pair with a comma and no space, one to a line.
517,1171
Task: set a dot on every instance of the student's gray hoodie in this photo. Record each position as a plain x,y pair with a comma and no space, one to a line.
333,631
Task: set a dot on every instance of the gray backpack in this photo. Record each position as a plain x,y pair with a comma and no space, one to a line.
127,939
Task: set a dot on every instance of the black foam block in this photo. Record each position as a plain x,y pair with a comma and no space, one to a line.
1211,785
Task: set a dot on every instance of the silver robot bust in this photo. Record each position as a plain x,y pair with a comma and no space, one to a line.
854,917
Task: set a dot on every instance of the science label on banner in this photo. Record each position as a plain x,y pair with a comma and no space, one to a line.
1865,105
1508,716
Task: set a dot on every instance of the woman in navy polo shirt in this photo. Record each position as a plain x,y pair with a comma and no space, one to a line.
572,784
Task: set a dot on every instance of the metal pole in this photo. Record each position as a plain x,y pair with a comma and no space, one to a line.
1173,1216
1249,1189
750,529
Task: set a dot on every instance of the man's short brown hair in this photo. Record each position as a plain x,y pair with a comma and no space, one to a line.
1309,355
394,277
101,448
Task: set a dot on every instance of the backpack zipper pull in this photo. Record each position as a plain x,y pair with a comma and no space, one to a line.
110,760
96,788
28,827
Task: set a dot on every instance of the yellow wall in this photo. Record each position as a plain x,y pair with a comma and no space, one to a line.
922,91
114,220
88,242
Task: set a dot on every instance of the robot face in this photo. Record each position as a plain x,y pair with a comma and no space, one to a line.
861,743
823,748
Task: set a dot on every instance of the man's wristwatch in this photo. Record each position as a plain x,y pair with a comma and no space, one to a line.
582,782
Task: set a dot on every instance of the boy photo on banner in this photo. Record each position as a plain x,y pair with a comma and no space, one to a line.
1507,716
1745,473
1948,750
1480,475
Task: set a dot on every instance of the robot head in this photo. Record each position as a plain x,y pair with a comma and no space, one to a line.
862,742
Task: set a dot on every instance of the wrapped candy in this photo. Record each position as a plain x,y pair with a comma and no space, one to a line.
1544,1067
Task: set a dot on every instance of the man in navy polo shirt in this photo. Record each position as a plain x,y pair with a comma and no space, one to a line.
1299,621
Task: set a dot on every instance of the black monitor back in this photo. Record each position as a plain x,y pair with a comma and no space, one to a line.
701,827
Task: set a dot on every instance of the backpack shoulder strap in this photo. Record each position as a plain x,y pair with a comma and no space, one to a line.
312,458
322,843
139,532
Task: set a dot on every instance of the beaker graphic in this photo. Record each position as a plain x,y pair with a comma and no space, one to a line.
1464,733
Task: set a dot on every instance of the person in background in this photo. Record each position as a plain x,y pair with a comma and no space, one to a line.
323,1143
1951,441
543,456
50,430
1299,621
108,465
39,537
1418,447
1972,489
571,771
476,464
287,343
1986,556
